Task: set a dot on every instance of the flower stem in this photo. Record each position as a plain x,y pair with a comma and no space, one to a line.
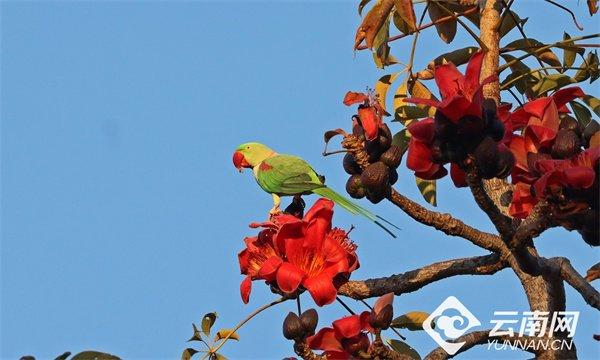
248,318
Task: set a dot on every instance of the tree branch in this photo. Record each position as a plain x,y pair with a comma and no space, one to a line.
573,278
536,222
415,279
481,337
502,222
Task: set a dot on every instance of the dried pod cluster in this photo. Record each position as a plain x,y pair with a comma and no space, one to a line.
299,327
478,136
374,182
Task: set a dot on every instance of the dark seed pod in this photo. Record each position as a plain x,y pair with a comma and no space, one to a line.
355,188
566,144
383,318
393,176
486,158
350,165
292,328
496,129
376,196
470,126
374,149
296,207
357,128
570,123
591,128
590,235
309,320
376,176
357,344
392,156
506,162
443,127
385,137
438,153
489,110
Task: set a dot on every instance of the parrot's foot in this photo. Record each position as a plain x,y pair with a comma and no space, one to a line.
275,210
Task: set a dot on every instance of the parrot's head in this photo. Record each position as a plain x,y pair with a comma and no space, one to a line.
250,154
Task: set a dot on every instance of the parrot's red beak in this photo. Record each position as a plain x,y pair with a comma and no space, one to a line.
239,161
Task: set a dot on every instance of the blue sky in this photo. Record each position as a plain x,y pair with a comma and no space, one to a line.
122,214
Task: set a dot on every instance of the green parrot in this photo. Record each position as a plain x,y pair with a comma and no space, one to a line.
288,175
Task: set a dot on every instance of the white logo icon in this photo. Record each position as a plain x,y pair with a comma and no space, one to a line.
452,326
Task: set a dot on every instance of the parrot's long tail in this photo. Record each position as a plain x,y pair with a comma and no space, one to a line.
354,208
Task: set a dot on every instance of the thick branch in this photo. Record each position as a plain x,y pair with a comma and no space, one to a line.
502,222
414,280
482,337
537,222
573,278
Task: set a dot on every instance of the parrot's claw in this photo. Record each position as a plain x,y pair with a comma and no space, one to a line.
274,211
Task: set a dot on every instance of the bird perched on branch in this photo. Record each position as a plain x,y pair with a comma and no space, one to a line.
288,175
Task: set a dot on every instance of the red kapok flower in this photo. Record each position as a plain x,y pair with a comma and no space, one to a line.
346,339
522,201
308,252
461,94
576,173
419,158
370,112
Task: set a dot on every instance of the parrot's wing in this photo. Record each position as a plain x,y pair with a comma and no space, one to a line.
287,174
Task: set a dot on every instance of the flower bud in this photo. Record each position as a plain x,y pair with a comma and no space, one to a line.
383,318
486,158
375,176
392,156
350,165
292,327
355,188
356,344
566,144
393,176
570,123
309,320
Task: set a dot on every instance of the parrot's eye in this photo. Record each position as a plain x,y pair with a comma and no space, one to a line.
247,147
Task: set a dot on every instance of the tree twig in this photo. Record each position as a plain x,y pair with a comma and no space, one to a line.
573,278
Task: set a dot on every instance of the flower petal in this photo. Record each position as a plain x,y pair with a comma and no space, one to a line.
458,175
245,289
325,340
563,96
289,277
419,156
269,268
321,289
352,98
579,177
318,220
347,327
423,130
370,121
471,81
448,79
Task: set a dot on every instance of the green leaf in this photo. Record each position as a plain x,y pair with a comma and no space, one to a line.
551,82
403,348
509,23
405,9
63,356
593,103
457,57
362,5
381,55
583,115
412,321
427,189
196,336
446,30
531,45
401,140
227,333
382,86
188,353
570,51
401,24
406,114
208,320
94,355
